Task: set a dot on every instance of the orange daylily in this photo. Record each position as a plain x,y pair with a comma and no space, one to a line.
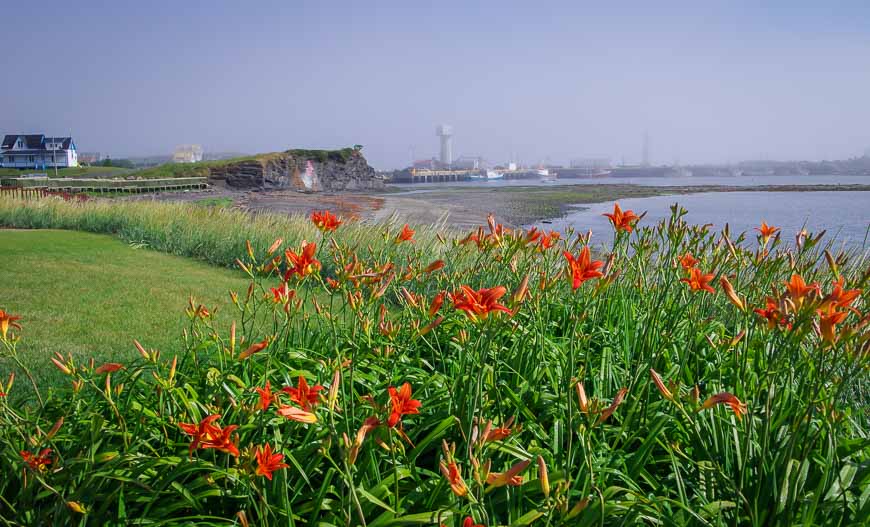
303,395
297,414
479,304
282,294
437,302
453,474
798,290
434,266
622,221
325,220
499,433
254,348
766,231
402,404
38,462
266,397
302,263
583,268
698,281
828,320
509,477
206,434
726,398
772,313
549,240
468,522
406,234
841,297
368,425
8,320
268,461
687,261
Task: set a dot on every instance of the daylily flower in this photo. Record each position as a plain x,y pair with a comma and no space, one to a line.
828,320
266,397
406,235
687,261
479,304
282,294
766,231
303,395
698,281
798,290
499,433
303,263
434,266
206,434
38,462
325,220
437,302
268,462
726,398
620,396
402,404
468,522
510,477
622,221
772,313
583,268
368,425
549,240
451,471
840,297
8,320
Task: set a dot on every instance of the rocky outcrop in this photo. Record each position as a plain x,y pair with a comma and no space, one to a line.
303,170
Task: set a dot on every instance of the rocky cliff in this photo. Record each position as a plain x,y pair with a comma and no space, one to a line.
303,170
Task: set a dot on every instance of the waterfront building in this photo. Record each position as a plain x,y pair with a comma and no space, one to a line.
37,151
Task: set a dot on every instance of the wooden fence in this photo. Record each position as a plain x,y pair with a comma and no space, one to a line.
35,194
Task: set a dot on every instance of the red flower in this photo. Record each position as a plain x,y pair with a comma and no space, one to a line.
548,240
302,395
840,297
622,221
282,294
402,404
38,462
479,304
698,281
268,462
726,398
582,268
766,231
8,320
302,264
407,235
687,261
325,220
772,313
209,435
828,320
266,396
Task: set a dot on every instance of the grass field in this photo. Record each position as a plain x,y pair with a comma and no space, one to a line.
91,294
75,172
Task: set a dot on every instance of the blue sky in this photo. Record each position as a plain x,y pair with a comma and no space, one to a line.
709,81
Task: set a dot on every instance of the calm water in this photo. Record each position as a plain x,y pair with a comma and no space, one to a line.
749,181
844,214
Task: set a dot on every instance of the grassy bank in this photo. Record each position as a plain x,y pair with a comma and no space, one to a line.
688,378
73,172
91,295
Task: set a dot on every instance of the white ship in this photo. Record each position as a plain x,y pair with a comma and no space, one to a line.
487,175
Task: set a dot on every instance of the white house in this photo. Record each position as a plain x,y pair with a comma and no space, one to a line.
38,152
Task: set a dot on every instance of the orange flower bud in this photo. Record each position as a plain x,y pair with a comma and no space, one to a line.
731,294
661,385
259,346
543,476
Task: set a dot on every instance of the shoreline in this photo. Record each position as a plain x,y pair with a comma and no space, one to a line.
463,207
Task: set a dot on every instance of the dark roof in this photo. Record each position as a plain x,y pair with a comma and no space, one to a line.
34,142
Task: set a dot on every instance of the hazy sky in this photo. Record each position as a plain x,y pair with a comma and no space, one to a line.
710,81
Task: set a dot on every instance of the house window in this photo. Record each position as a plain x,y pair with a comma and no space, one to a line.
20,144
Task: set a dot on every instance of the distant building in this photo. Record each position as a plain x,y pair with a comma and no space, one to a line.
468,163
445,133
590,162
38,151
187,154
90,158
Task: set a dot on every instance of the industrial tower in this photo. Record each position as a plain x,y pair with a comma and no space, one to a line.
445,132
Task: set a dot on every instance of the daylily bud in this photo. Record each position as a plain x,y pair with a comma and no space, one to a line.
141,350
76,507
520,293
333,390
581,397
544,477
61,366
431,325
250,249
54,429
661,385
233,338
731,294
577,508
275,245
172,368
259,346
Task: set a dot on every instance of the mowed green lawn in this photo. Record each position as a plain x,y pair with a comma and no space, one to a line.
93,294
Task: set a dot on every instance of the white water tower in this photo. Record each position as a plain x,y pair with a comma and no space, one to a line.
445,132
